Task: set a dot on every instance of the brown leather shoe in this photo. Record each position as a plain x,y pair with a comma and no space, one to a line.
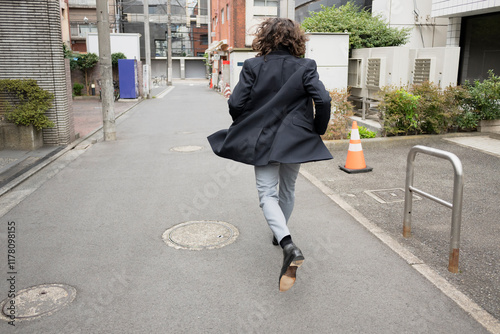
292,259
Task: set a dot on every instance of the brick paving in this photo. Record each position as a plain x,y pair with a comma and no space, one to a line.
88,114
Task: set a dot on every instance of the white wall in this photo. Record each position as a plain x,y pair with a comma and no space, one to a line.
331,53
128,44
427,31
236,59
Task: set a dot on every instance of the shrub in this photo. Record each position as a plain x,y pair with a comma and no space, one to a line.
27,103
341,112
399,111
439,109
364,133
468,121
424,109
485,97
77,89
456,98
366,31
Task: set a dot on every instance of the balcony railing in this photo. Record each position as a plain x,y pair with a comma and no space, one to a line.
82,29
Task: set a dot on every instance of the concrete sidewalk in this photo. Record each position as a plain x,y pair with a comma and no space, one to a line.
95,219
87,120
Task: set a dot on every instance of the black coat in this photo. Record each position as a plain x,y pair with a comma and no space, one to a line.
272,111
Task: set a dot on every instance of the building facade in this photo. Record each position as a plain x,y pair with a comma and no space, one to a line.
232,28
233,22
189,27
228,22
474,26
83,19
65,26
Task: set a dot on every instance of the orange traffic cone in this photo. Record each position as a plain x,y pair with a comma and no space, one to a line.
355,162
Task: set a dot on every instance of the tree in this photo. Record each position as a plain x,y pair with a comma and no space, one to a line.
366,31
85,62
115,56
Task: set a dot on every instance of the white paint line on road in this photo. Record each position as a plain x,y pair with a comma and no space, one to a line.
469,306
165,92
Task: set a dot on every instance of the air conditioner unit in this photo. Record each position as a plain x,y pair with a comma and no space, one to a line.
436,65
423,70
354,73
375,73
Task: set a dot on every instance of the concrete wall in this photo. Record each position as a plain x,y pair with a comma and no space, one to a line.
31,48
128,44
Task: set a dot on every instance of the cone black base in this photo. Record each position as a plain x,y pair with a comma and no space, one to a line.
353,171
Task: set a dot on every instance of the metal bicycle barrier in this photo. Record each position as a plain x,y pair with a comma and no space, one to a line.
456,207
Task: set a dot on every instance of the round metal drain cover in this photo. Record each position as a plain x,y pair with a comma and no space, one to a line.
199,235
186,148
38,301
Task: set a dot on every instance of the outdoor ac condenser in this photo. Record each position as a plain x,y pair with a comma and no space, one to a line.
437,65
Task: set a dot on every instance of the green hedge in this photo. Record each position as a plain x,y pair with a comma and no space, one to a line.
426,109
27,103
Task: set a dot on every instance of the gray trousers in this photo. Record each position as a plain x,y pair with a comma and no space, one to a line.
276,188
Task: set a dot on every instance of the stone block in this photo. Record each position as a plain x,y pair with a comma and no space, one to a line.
25,138
489,126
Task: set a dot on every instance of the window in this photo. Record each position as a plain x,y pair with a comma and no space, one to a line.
160,48
204,39
222,16
227,12
266,3
82,29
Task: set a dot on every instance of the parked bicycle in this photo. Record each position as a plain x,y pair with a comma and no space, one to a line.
116,90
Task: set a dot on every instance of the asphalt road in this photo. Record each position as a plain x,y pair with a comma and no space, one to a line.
479,261
94,220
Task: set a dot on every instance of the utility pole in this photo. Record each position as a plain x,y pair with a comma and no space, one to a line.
169,43
147,48
108,108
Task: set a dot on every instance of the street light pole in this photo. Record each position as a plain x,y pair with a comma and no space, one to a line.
169,43
108,110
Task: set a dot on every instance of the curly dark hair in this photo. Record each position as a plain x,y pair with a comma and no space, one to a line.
278,33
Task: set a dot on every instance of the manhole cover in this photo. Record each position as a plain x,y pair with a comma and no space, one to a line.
37,301
389,195
186,148
199,235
